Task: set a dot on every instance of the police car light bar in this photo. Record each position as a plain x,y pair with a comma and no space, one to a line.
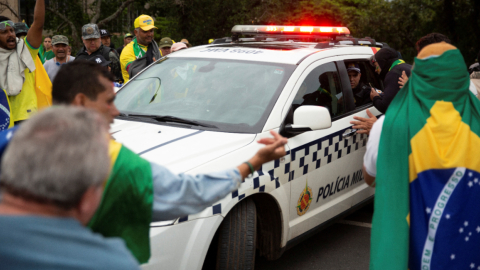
289,30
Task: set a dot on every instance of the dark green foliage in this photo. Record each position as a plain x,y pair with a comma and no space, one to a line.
400,23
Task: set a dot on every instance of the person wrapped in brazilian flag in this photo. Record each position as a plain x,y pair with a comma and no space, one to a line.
428,171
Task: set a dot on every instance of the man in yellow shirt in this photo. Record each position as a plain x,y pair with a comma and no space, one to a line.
20,83
142,51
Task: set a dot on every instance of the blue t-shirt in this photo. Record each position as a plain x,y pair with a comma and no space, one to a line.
34,242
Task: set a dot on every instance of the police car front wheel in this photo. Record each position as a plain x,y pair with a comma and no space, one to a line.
237,241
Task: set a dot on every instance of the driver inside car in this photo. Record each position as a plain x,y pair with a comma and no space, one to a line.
361,91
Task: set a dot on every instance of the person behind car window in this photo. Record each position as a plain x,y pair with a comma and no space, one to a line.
361,91
137,191
53,174
322,96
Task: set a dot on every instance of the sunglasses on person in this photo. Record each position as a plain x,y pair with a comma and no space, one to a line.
4,24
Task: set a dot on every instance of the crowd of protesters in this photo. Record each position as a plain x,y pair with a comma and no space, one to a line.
420,150
48,201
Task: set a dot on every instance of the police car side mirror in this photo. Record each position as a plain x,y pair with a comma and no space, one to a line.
308,118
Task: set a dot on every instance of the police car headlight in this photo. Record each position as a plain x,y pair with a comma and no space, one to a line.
163,223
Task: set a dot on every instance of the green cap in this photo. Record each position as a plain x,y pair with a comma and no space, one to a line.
90,31
59,39
165,42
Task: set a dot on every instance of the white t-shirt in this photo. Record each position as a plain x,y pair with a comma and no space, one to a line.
52,67
370,158
473,89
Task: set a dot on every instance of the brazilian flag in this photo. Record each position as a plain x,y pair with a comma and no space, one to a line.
427,201
126,207
5,111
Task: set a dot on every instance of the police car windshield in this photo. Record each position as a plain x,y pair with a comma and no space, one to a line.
233,96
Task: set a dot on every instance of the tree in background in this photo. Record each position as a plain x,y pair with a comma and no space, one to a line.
400,23
67,17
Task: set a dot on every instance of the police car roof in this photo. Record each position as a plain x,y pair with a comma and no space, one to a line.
274,52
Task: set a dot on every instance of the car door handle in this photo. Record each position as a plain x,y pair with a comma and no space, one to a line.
349,133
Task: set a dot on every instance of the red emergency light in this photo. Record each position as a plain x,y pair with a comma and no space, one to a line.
290,30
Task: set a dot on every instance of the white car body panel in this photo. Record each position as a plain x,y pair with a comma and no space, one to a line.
184,245
153,141
192,238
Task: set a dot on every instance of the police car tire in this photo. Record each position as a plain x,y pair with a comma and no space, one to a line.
237,241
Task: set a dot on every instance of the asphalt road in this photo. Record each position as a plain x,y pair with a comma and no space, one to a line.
344,245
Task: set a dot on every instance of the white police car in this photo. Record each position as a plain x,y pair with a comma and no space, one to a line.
220,99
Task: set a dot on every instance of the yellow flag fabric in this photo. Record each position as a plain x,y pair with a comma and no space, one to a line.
43,85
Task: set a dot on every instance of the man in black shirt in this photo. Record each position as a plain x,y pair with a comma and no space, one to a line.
361,91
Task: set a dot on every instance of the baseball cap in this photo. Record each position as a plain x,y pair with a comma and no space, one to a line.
145,22
165,42
99,59
105,33
127,35
20,28
353,67
59,39
90,30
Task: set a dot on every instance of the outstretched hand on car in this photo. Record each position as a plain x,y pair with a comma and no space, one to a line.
274,149
364,125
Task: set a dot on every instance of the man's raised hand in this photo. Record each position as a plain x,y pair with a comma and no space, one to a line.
274,149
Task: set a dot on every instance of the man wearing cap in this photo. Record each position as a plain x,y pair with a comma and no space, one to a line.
17,55
60,49
126,39
107,42
93,46
166,44
106,38
21,29
361,92
142,51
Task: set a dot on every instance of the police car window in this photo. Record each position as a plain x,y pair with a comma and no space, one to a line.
321,87
235,96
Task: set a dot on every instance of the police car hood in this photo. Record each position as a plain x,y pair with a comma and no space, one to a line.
179,149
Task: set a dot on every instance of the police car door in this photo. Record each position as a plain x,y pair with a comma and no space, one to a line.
325,164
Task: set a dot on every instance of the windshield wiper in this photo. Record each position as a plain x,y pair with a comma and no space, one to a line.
169,118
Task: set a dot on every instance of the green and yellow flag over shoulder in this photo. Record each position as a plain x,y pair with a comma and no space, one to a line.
126,207
428,170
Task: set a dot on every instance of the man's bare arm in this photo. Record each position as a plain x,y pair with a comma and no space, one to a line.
34,35
370,180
